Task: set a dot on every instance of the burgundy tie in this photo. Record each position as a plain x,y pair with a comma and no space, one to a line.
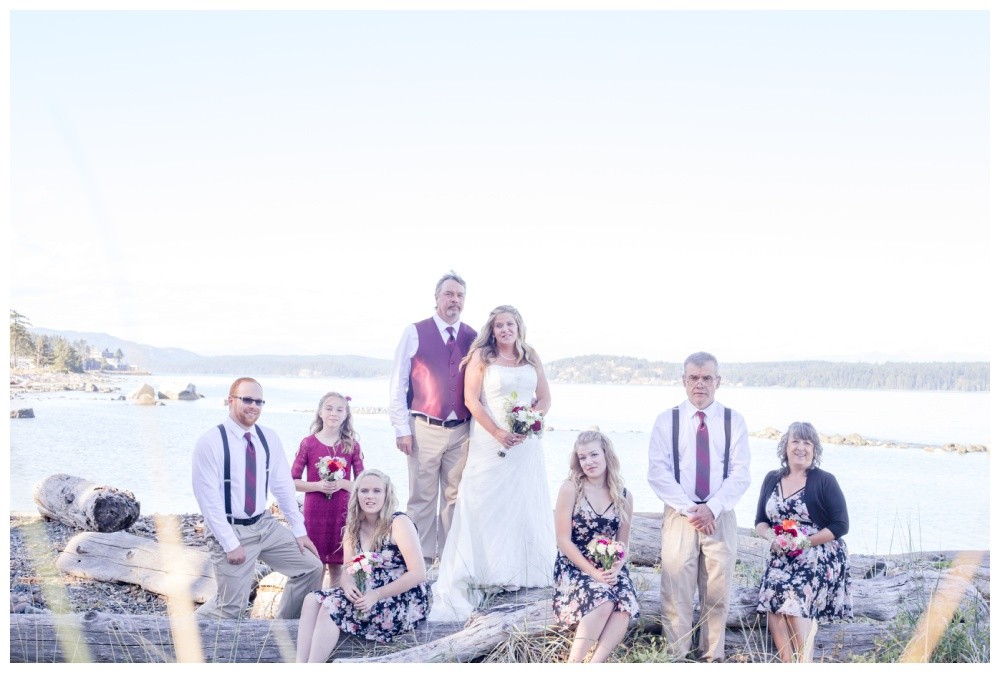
250,484
451,339
703,462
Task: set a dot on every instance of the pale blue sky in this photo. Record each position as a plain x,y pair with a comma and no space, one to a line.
763,185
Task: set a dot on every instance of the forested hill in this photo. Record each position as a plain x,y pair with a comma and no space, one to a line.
957,376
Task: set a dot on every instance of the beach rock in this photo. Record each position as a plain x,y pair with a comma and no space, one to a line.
22,413
144,395
189,393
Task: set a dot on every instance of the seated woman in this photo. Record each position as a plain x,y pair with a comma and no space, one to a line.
396,597
807,575
593,504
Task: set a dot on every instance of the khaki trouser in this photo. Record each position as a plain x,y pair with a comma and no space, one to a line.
691,560
435,467
275,545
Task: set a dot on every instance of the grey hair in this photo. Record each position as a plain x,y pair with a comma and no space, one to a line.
700,359
799,430
451,275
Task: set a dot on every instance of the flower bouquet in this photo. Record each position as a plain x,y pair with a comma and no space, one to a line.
606,551
522,419
790,538
361,567
331,468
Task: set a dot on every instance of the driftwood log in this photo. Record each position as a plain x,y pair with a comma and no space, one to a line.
884,587
82,504
166,569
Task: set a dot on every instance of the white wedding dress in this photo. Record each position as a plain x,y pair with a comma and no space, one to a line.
502,535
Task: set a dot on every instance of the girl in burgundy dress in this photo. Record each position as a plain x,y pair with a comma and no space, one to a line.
330,458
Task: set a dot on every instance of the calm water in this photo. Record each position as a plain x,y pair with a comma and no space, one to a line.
899,499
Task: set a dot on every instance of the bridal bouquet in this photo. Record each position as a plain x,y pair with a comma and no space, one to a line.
606,550
331,468
790,538
522,419
361,567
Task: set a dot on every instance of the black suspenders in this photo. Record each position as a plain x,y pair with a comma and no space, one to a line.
727,415
227,481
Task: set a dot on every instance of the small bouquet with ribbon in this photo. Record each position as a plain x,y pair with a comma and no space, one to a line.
522,419
606,551
790,538
360,569
331,468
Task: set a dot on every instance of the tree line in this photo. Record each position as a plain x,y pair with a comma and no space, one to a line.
53,353
953,376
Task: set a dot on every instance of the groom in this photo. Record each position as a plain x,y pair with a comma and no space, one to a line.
427,410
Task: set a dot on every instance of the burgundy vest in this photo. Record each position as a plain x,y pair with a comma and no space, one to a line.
437,385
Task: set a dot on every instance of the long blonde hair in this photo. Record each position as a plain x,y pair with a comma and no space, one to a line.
383,526
347,435
486,343
612,477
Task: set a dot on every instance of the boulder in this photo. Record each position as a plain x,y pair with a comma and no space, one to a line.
144,394
22,413
189,393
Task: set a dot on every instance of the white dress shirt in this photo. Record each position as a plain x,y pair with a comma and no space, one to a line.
209,488
399,381
681,497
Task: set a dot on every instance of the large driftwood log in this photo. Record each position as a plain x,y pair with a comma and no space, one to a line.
102,637
166,569
79,503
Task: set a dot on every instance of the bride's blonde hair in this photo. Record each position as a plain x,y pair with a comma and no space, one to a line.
486,343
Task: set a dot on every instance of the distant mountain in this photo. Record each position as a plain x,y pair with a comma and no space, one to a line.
146,358
957,376
178,361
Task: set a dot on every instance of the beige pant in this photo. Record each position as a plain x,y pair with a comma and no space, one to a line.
435,467
691,560
275,545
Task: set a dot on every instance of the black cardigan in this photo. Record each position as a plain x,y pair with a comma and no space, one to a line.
823,498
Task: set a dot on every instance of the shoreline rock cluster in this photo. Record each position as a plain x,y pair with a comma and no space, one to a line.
854,439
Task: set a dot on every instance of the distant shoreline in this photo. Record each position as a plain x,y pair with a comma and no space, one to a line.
104,382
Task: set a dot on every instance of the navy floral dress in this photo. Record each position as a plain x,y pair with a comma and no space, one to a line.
388,617
817,583
576,593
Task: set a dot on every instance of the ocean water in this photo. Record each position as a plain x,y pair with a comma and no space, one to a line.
900,499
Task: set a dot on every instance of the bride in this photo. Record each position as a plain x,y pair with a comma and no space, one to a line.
502,535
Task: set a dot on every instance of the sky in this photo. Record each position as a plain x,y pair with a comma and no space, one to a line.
764,185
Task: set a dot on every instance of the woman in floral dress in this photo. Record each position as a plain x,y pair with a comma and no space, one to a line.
395,597
807,576
593,503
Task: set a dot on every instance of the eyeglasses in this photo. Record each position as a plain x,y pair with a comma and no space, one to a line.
693,380
248,400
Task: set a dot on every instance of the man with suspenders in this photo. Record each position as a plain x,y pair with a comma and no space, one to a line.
699,466
234,466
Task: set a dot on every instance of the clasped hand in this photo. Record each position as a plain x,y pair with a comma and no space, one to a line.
702,518
609,576
362,601
329,487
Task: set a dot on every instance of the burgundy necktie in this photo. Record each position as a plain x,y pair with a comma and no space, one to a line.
703,462
451,339
250,483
